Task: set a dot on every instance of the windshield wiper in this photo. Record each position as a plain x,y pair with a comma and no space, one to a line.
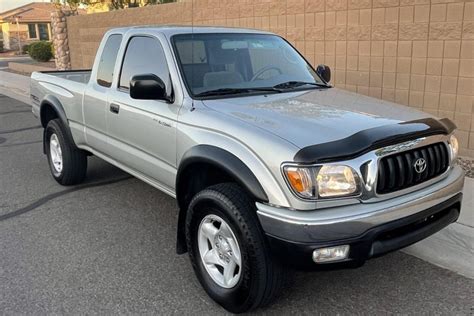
281,87
294,84
227,91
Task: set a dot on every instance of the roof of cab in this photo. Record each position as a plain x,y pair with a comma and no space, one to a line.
170,30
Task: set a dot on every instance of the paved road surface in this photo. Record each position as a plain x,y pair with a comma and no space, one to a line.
108,247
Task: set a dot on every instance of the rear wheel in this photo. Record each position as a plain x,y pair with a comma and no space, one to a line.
68,164
228,249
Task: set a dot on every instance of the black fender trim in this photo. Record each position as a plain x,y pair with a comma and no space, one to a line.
373,138
224,160
52,101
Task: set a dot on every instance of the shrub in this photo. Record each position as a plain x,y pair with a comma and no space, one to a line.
25,48
41,51
1,46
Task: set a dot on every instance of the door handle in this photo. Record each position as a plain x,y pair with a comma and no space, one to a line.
114,108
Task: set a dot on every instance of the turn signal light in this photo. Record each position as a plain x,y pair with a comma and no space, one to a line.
300,180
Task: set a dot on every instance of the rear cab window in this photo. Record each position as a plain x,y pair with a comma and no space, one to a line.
105,70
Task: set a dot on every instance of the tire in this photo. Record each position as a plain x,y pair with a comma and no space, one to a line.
260,277
71,166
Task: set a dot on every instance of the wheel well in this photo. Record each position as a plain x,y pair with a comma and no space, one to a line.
196,177
47,113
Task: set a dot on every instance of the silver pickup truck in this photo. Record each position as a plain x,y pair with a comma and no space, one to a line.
270,165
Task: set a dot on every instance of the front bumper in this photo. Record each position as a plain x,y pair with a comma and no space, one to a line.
371,229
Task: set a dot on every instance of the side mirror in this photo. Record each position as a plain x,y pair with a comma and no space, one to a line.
148,87
324,72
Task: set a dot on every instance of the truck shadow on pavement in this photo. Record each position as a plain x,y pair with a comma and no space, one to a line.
49,197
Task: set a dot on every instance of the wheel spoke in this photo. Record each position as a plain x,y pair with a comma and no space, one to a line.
54,151
229,270
224,230
209,231
211,257
236,257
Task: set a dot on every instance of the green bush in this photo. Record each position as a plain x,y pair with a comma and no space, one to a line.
41,51
25,48
1,46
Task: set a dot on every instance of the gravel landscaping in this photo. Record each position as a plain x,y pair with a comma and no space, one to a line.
468,165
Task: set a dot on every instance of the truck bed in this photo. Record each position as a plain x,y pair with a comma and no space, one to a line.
66,86
81,76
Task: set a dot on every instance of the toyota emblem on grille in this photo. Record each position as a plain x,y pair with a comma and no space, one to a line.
420,165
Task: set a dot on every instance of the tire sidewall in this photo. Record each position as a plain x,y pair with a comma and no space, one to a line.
240,296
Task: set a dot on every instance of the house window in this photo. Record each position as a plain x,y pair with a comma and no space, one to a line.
32,31
43,32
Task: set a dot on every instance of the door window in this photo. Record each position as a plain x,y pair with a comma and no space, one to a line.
105,70
144,55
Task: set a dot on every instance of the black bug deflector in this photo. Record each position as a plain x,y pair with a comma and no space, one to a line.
370,139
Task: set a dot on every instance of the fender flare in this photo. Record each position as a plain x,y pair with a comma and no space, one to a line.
52,101
224,160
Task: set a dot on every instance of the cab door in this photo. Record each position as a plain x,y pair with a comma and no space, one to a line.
96,95
142,133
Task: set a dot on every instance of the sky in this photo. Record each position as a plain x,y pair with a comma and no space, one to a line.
6,5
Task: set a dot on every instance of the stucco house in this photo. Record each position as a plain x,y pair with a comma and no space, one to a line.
27,23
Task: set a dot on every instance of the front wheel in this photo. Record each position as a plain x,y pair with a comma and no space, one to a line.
68,164
228,249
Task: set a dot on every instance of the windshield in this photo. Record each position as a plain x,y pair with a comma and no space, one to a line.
229,64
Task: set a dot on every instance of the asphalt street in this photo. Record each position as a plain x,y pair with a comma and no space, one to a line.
108,247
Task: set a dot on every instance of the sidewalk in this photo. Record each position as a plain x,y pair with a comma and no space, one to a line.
452,248
15,86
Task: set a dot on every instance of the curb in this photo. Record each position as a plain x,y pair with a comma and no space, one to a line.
453,247
27,68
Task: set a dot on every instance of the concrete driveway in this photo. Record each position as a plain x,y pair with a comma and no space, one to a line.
108,246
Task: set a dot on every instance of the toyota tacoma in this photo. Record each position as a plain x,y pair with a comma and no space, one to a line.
270,165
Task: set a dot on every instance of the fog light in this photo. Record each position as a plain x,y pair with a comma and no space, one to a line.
331,254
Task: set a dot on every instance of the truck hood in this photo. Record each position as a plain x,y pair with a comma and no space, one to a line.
315,116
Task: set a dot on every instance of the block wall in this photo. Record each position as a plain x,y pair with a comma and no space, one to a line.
414,52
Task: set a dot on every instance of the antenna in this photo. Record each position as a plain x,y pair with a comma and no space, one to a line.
192,48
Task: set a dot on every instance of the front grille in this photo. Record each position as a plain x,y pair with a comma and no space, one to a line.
398,171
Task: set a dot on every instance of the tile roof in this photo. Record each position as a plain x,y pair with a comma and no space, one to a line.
32,12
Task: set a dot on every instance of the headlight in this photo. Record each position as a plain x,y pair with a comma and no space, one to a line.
454,146
336,181
322,182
